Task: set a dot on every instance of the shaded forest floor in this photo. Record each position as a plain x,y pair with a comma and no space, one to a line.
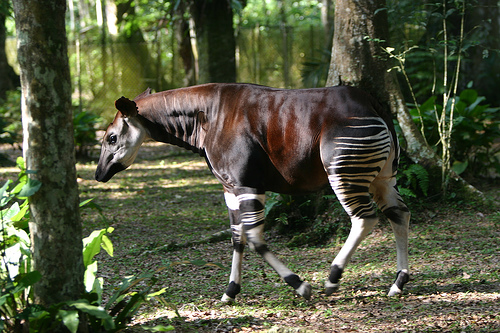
167,203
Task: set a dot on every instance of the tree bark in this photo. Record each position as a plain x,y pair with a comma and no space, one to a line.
361,30
9,79
183,37
215,40
49,149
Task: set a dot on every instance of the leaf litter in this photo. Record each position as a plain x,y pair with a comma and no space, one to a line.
170,197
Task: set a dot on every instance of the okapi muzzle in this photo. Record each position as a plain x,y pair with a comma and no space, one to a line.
121,141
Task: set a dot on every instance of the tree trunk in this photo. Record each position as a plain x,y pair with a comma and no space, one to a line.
183,37
361,30
483,67
327,21
215,40
49,149
9,79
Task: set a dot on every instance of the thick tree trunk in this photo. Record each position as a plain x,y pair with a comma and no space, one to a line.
358,59
49,150
361,30
9,79
215,40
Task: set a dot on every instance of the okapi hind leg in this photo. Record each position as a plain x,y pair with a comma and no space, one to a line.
387,197
251,205
360,228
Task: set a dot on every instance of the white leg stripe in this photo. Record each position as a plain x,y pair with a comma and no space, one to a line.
231,201
237,236
249,218
247,196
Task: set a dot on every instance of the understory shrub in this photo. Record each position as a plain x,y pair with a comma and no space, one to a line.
476,126
19,312
11,127
312,219
84,126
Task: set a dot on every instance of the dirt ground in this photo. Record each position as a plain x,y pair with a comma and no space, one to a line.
165,208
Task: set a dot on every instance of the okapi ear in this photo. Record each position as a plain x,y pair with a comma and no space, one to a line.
127,107
145,93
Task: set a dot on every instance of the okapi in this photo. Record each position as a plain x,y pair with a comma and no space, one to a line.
257,139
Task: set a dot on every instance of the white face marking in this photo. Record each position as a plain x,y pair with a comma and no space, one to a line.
124,140
120,146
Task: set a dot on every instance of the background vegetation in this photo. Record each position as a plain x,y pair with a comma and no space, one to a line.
149,212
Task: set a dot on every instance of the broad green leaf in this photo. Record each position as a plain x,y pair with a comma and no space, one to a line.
20,214
459,167
26,280
30,188
92,246
469,96
89,276
5,197
95,311
20,163
10,212
70,319
107,245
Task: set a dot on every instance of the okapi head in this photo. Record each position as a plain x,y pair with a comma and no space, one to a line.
121,141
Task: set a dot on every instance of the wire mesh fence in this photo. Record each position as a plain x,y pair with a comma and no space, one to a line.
103,72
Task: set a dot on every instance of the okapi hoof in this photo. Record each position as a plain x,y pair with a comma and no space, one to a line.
227,300
305,290
401,279
331,288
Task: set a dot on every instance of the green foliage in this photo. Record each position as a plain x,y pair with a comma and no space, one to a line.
84,127
10,118
314,71
476,126
17,308
124,301
413,181
308,220
11,127
303,12
16,276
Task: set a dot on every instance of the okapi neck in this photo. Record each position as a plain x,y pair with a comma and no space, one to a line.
168,134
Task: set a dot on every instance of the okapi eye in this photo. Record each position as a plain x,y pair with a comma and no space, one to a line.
112,139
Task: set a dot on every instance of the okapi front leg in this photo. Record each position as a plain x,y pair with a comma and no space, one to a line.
252,219
238,239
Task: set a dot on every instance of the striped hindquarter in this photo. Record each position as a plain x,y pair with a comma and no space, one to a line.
358,159
361,170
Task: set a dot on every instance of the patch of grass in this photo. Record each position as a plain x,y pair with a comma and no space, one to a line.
169,197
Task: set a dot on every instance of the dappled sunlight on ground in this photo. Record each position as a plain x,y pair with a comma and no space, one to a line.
167,205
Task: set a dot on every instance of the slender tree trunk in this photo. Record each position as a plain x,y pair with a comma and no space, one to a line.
183,37
215,40
9,80
327,20
284,42
49,149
